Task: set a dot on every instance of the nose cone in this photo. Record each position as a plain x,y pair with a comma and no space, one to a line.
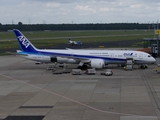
153,60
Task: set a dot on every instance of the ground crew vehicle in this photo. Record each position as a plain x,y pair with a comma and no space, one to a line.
157,69
76,71
108,72
90,71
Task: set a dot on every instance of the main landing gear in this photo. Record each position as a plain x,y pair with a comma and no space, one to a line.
144,66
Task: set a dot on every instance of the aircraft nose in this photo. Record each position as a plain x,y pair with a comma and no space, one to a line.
153,59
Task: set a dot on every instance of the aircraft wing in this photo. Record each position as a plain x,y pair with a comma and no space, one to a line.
84,60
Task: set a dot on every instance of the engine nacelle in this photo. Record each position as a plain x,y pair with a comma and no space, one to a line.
97,63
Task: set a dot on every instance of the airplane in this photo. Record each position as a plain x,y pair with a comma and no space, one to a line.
93,58
75,42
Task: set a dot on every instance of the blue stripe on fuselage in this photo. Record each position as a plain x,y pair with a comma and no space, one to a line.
76,56
106,59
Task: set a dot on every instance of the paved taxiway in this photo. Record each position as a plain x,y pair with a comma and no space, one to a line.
30,91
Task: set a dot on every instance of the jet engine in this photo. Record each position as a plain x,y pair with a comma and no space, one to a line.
97,63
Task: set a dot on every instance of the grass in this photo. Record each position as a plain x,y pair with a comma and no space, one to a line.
51,38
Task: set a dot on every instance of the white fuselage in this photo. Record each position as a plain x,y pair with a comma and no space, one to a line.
109,56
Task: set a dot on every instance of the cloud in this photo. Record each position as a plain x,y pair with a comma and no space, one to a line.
85,9
79,11
58,1
136,6
52,5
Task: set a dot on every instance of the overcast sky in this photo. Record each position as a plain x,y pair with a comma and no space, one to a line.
79,11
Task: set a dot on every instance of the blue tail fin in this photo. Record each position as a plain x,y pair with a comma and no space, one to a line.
24,43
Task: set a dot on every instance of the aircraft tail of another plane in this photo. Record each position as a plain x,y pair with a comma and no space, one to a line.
24,43
70,41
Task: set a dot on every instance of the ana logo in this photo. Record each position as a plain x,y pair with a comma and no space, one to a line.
23,41
128,54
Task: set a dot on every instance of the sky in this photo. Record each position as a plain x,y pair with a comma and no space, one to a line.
79,11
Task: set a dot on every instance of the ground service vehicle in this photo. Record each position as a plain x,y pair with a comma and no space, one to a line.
76,71
108,72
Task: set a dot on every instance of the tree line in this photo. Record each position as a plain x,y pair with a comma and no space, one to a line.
89,26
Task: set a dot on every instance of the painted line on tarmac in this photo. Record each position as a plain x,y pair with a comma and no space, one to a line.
61,96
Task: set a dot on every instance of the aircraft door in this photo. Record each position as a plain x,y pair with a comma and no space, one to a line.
112,55
72,54
141,56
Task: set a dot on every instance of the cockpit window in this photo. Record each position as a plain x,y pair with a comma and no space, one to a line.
149,56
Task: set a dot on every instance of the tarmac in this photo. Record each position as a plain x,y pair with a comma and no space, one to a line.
29,91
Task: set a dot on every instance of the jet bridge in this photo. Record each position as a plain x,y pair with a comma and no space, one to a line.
153,43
